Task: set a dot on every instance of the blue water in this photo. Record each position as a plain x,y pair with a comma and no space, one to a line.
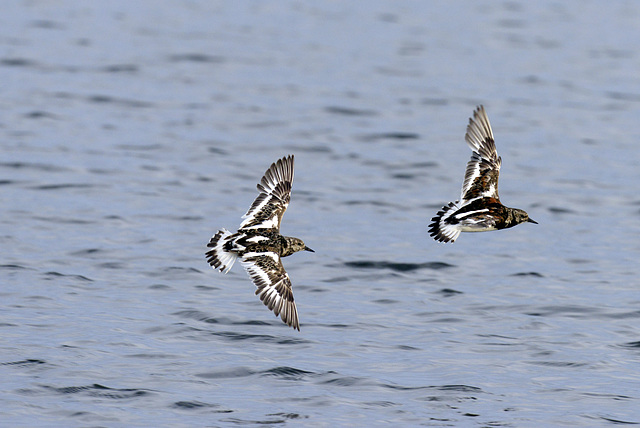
131,131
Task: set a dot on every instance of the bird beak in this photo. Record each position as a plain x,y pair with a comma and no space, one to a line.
532,221
308,249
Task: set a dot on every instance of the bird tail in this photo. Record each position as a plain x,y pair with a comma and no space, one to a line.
440,229
219,258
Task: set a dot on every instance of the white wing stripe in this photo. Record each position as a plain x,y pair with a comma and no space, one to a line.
470,213
255,271
256,209
257,238
253,254
267,224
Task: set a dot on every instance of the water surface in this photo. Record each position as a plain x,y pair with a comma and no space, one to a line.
130,133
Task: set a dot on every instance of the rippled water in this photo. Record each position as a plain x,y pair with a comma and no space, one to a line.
131,132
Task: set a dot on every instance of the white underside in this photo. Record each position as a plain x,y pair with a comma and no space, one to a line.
474,228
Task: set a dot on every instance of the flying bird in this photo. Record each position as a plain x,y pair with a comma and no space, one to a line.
479,208
260,246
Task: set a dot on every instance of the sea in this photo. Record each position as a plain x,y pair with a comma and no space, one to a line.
130,132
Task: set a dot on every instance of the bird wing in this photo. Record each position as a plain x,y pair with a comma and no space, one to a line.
275,192
274,286
481,175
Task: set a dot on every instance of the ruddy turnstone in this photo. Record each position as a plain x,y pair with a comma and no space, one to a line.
259,244
479,208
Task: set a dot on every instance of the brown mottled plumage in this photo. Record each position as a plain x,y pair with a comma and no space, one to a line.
259,244
479,208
